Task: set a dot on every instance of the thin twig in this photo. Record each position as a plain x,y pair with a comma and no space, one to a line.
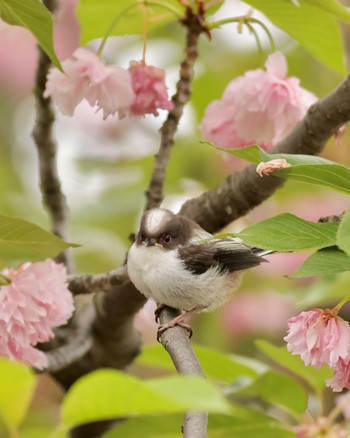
154,193
177,344
86,284
242,191
50,185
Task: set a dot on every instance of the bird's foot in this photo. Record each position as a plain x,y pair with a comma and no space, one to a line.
159,308
174,322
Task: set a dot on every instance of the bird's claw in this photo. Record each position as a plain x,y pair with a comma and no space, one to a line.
157,312
164,327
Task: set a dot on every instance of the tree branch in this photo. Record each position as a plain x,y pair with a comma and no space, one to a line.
50,185
86,284
242,191
154,193
177,344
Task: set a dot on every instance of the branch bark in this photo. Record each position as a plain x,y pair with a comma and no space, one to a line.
50,185
242,191
176,342
154,193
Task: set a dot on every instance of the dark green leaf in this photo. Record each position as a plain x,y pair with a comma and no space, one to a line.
326,261
280,355
16,391
312,24
22,240
343,236
276,388
304,168
287,232
32,15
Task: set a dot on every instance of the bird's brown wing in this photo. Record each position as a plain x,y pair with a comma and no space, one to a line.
226,254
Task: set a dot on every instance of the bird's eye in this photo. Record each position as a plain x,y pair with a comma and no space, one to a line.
167,239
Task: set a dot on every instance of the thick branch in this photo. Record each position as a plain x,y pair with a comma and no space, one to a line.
154,193
242,191
50,185
177,344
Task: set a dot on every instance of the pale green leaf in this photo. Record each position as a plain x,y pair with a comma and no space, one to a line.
312,25
293,363
287,232
325,261
16,391
98,16
23,240
32,15
107,394
333,7
304,168
219,426
215,365
343,236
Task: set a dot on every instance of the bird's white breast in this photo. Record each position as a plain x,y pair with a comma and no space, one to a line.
161,275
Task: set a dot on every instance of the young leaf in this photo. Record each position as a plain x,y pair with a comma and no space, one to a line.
293,363
107,394
326,261
343,235
304,168
23,240
287,232
311,24
16,391
169,426
97,16
32,15
215,365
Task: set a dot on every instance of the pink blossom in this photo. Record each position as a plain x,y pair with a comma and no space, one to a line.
319,336
341,378
86,76
148,83
36,300
260,107
66,28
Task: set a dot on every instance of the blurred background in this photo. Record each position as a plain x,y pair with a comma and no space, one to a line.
105,167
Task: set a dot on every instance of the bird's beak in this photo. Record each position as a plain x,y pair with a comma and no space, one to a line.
149,241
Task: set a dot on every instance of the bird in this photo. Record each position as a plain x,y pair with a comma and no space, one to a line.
176,263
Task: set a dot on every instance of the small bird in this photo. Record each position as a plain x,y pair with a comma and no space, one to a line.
176,263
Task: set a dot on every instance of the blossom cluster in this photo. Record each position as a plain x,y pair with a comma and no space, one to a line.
260,107
137,91
322,337
36,300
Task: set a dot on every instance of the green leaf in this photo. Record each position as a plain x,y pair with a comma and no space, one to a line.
16,391
343,235
326,261
304,168
333,7
23,240
287,232
215,365
32,15
280,355
107,394
312,25
97,16
219,426
276,388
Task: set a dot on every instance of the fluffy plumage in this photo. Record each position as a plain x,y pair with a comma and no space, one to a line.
177,263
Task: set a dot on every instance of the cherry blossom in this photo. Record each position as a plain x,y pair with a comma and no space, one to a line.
36,300
86,76
341,377
148,83
260,107
319,337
